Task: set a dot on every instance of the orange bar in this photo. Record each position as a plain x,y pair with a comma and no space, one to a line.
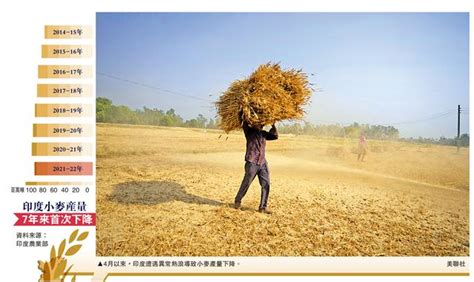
66,51
63,168
63,110
64,90
61,149
62,130
64,71
67,31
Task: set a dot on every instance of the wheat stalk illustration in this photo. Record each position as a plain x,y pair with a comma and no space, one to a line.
56,269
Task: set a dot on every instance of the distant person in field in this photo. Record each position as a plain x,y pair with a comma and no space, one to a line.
362,147
256,164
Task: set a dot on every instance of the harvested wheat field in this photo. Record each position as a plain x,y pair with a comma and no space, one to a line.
168,192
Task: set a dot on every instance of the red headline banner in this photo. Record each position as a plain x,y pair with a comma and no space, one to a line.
55,219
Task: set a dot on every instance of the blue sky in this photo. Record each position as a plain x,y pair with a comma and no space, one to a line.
377,68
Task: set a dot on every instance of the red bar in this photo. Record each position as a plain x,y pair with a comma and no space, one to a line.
55,219
63,168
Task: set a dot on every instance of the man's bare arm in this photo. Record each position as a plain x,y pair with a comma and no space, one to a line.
272,134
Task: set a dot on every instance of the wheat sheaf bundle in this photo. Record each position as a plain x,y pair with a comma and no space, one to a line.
55,269
268,95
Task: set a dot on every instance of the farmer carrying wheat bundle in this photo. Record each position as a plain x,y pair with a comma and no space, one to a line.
268,95
256,164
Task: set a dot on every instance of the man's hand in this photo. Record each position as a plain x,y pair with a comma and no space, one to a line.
273,133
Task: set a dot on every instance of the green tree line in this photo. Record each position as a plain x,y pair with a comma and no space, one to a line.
337,130
463,140
379,132
106,111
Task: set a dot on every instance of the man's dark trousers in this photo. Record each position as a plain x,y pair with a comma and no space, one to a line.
252,170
